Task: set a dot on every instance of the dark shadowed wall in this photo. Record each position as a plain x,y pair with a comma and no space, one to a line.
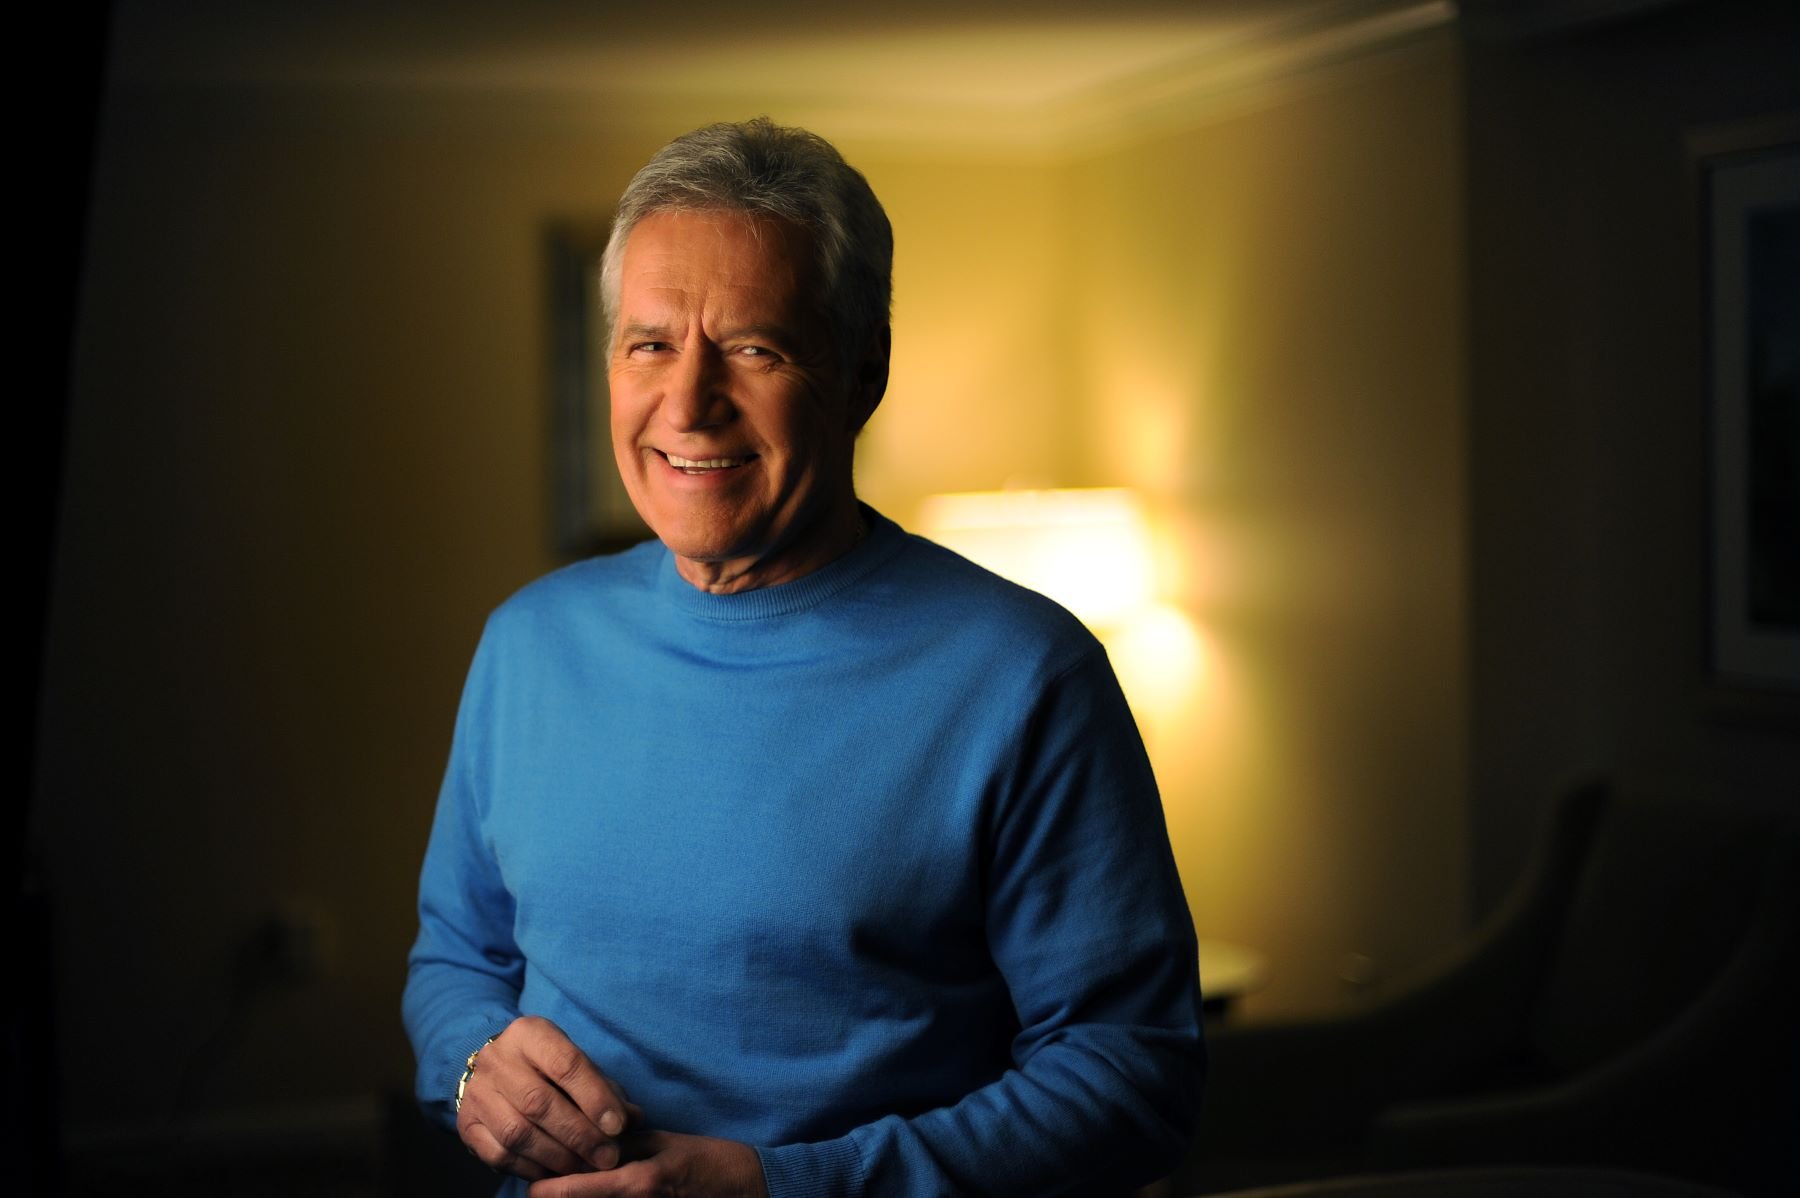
1587,419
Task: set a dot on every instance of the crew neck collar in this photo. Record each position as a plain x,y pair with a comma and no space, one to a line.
882,540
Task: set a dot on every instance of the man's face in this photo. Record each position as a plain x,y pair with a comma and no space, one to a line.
733,416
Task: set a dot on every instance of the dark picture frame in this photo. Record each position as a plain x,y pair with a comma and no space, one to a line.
1750,206
590,511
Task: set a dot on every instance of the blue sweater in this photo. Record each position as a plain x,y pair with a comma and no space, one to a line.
867,870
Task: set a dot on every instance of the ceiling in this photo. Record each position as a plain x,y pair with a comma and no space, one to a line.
1031,72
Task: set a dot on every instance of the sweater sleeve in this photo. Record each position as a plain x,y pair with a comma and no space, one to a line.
1088,924
464,973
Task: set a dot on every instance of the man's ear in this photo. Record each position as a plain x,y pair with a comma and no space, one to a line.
871,379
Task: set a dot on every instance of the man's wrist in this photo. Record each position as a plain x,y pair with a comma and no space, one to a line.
462,1083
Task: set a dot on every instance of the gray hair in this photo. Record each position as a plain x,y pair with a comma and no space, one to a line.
769,170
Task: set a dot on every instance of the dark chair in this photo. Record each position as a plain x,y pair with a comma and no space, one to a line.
1631,1006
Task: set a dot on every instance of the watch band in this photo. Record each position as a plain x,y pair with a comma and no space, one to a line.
462,1083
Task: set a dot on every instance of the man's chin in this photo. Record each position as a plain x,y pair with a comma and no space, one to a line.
705,546
710,552
758,552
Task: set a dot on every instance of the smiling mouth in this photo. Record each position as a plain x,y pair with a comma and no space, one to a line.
705,465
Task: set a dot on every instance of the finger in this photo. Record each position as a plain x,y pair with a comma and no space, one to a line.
599,1100
492,1153
583,1111
513,1104
627,1181
531,1116
526,1111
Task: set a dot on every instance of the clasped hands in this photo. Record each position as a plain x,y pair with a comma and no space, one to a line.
537,1107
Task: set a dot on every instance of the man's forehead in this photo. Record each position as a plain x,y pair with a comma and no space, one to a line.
756,269
722,231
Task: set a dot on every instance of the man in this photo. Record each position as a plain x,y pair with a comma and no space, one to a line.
791,854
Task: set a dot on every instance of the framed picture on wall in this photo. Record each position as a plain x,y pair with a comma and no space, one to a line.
590,512
1751,206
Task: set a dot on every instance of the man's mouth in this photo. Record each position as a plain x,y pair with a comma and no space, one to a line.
702,465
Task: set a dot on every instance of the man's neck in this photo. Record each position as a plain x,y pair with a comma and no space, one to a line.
838,533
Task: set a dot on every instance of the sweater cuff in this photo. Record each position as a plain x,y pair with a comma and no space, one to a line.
832,1169
437,1082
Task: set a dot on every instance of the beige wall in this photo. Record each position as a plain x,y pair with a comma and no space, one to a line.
1258,324
982,391
1270,345
306,456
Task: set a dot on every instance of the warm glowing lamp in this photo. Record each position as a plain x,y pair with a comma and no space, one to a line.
1088,549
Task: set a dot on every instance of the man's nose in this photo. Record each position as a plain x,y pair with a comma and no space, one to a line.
696,395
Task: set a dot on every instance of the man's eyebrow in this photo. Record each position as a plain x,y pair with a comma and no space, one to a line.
780,334
785,336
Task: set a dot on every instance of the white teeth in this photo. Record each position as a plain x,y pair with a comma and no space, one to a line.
704,463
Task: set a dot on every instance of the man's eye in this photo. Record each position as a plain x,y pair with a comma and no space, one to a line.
649,346
757,351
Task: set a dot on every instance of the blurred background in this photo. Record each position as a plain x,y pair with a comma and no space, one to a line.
1387,315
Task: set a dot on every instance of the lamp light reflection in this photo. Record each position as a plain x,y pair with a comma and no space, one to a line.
1088,549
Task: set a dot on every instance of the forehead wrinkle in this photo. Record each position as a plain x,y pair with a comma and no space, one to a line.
644,328
666,289
763,329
